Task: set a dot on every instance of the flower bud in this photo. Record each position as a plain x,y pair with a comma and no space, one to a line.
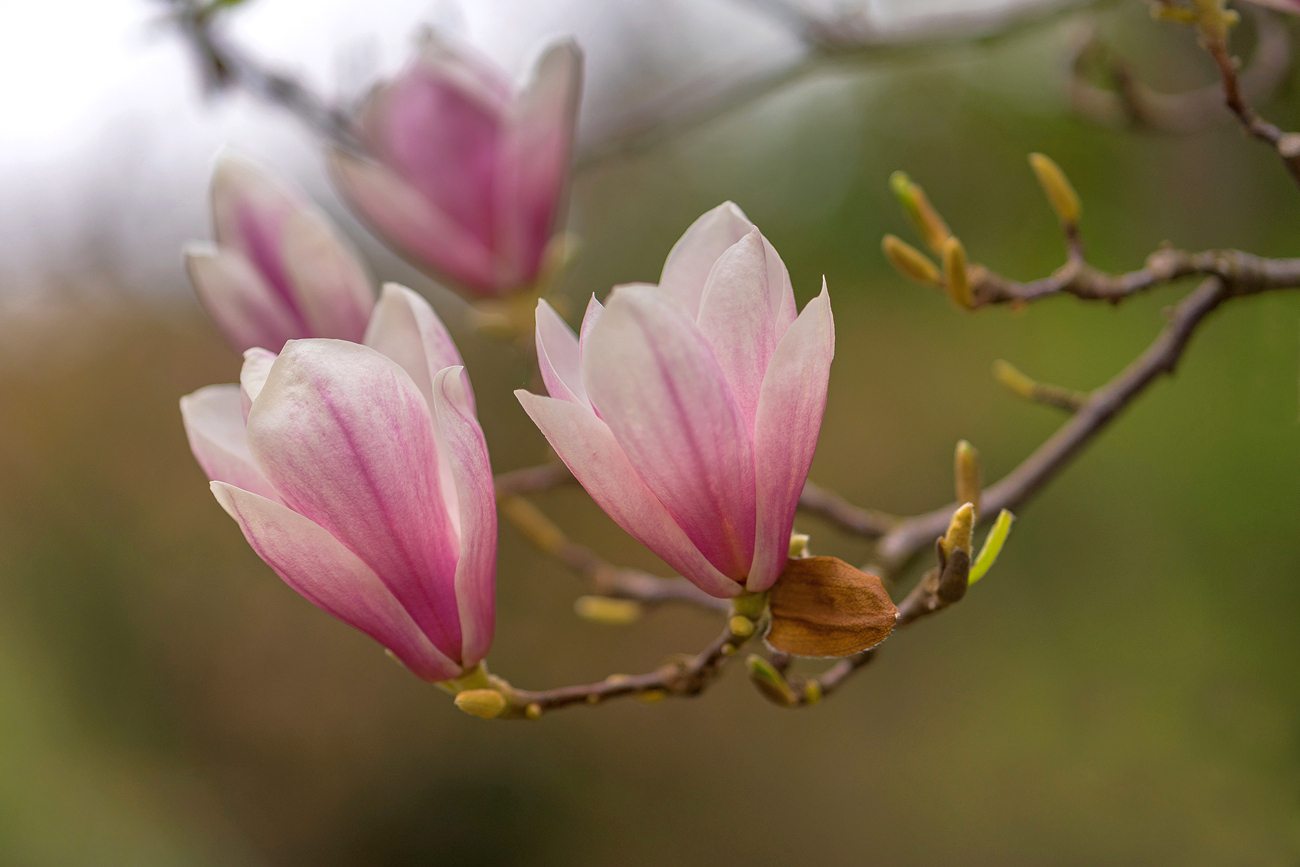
966,471
799,545
992,547
483,703
956,277
958,537
770,682
924,218
603,609
1056,186
909,261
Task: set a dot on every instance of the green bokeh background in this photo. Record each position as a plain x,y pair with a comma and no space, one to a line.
1121,689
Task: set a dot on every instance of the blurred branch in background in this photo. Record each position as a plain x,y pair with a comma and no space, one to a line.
1128,101
847,37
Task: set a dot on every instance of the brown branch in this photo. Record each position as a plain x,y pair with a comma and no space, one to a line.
678,678
1129,101
224,66
538,478
1102,405
855,519
1163,266
605,578
1286,144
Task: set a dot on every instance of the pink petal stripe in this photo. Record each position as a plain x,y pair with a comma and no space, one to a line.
688,264
740,315
330,288
332,578
476,566
557,356
239,301
419,231
790,413
214,425
405,328
652,377
347,439
589,450
249,207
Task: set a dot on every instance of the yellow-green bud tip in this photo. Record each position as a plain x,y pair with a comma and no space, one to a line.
958,537
956,276
798,545
812,692
1056,186
603,609
1016,382
533,711
741,626
769,681
483,703
966,472
909,261
922,215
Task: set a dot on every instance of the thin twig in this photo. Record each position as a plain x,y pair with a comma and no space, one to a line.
1161,357
605,578
538,478
225,66
678,678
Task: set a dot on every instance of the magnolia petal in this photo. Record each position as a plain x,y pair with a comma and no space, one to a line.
249,208
557,356
463,441
589,320
347,439
214,425
742,314
689,262
790,411
328,283
332,578
252,376
427,236
440,126
245,309
535,165
589,450
652,377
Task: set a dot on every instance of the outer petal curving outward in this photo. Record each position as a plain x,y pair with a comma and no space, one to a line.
589,450
332,578
790,411
346,438
653,379
214,425
467,452
557,356
244,307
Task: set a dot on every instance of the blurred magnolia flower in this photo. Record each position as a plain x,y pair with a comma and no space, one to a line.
690,410
359,473
467,176
279,270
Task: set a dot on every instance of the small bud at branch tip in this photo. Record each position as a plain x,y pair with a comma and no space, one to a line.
909,261
482,703
956,276
1056,186
603,609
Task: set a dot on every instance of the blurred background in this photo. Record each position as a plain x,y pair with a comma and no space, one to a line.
1121,689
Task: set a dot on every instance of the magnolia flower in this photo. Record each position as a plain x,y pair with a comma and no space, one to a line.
360,475
467,176
279,270
690,410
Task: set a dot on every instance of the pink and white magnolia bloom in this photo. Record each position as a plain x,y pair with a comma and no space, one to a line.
468,174
359,473
279,270
690,410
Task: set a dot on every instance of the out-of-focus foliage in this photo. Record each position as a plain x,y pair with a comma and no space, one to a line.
1120,689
